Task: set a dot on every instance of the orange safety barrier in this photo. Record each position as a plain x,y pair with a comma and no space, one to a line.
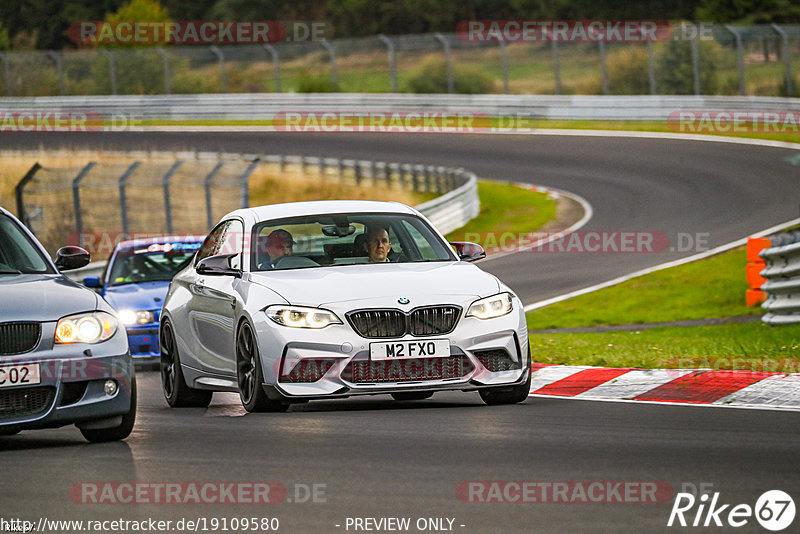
755,264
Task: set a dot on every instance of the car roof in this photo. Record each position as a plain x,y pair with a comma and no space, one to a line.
312,207
188,238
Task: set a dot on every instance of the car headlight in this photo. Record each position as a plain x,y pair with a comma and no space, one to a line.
301,317
130,317
489,307
86,328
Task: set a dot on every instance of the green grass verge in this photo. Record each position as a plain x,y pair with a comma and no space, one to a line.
712,287
507,208
752,346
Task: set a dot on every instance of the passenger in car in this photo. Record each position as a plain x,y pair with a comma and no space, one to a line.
279,245
377,244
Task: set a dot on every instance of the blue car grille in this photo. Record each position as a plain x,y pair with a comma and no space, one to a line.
18,338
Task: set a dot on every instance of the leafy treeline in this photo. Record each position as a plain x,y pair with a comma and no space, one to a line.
43,24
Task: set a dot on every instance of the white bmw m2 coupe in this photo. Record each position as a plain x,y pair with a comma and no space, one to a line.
316,300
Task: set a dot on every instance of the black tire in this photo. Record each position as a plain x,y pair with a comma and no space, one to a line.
249,375
508,394
412,395
99,435
177,393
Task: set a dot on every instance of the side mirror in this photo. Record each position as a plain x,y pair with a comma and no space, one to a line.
468,251
217,265
92,281
69,258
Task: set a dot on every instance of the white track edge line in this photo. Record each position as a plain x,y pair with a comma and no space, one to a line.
668,403
648,270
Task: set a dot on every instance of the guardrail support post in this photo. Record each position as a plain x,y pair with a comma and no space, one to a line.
390,50
207,181
112,70
340,164
321,163
7,72
167,74
123,201
276,65
787,58
739,58
244,181
651,67
165,184
373,172
223,78
52,54
357,171
76,195
415,178
334,70
448,58
19,191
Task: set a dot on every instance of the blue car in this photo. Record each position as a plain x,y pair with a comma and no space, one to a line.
135,283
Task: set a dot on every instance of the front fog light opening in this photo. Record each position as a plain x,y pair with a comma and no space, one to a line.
110,387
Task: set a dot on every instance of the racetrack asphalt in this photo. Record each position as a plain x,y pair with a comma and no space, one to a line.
380,458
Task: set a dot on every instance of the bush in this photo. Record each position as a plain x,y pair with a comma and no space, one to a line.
431,77
316,83
627,71
674,67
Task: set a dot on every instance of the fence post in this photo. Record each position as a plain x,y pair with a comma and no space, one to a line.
276,65
112,70
448,58
167,75
123,201
244,181
165,182
390,49
651,67
223,79
7,69
334,71
52,54
695,61
601,44
556,62
207,187
357,171
19,190
76,195
504,64
739,58
787,57
340,164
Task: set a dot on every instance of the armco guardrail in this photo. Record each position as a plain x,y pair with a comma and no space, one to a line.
188,192
131,111
783,281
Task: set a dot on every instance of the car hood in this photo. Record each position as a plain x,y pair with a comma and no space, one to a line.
141,296
320,286
42,297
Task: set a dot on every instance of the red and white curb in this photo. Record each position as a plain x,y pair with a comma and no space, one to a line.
738,389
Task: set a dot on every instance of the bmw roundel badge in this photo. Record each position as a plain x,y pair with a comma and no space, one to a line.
403,300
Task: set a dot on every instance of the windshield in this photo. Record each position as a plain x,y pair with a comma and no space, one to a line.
150,263
345,239
18,254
